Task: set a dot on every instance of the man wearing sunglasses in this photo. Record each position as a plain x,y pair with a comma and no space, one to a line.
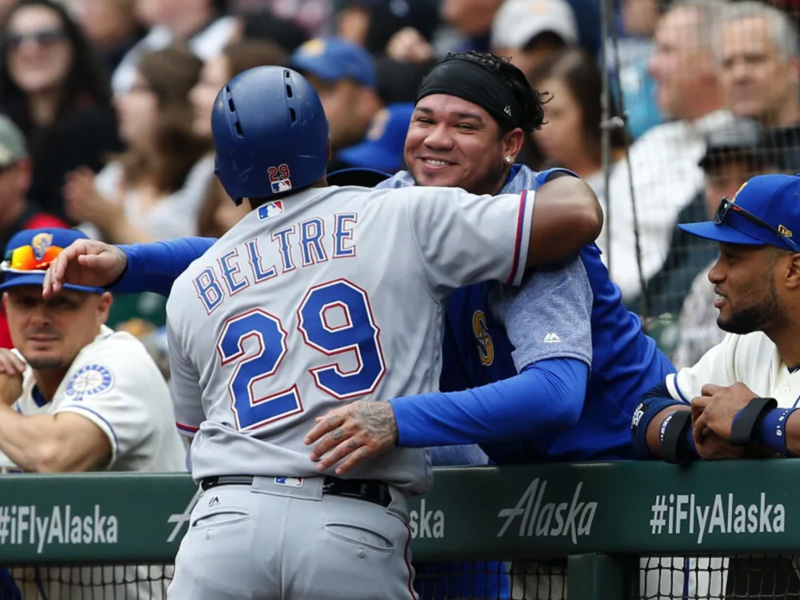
76,396
740,397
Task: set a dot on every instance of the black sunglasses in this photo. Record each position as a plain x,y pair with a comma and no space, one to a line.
727,205
44,37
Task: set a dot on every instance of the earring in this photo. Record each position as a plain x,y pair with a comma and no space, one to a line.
509,159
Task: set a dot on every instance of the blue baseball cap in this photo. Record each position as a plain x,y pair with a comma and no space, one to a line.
30,252
332,59
383,145
765,210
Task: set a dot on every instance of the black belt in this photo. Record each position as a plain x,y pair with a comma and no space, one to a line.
368,490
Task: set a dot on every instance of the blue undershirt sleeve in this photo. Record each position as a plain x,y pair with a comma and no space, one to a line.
544,397
155,266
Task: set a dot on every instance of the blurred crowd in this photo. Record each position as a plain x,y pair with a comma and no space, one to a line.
107,115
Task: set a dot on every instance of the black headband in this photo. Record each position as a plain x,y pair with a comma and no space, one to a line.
473,83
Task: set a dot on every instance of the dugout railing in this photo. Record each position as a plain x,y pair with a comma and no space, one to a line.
603,517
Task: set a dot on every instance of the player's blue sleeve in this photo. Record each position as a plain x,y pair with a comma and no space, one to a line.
155,266
545,397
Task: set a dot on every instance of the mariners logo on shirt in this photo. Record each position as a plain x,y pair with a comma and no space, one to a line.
482,337
88,380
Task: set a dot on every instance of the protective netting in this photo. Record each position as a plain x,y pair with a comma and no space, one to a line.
708,90
540,579
752,577
741,577
118,582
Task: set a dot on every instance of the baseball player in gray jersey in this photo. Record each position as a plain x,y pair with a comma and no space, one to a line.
322,295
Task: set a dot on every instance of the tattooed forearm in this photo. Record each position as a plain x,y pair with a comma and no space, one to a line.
378,419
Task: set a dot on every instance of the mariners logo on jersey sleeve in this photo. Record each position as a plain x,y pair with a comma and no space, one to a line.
88,380
483,338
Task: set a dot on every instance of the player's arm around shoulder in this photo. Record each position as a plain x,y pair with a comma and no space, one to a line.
462,238
566,216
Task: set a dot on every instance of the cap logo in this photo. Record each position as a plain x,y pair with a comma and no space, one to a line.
783,231
313,47
507,110
41,242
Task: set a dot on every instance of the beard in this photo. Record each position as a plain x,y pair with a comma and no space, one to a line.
52,362
756,317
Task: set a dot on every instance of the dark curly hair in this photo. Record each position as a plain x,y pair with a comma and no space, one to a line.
528,97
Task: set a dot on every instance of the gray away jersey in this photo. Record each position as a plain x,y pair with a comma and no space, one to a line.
334,294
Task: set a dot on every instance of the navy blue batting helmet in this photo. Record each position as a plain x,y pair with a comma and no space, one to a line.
270,133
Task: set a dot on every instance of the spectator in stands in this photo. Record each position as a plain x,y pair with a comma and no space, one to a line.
112,28
218,213
284,32
630,74
397,81
57,96
344,76
201,24
759,68
382,149
664,175
532,31
472,20
312,15
16,212
154,190
733,155
84,399
571,135
372,23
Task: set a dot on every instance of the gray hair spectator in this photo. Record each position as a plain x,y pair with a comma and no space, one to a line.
531,31
664,176
759,69
758,63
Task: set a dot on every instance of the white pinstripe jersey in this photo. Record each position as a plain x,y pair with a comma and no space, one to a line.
751,359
